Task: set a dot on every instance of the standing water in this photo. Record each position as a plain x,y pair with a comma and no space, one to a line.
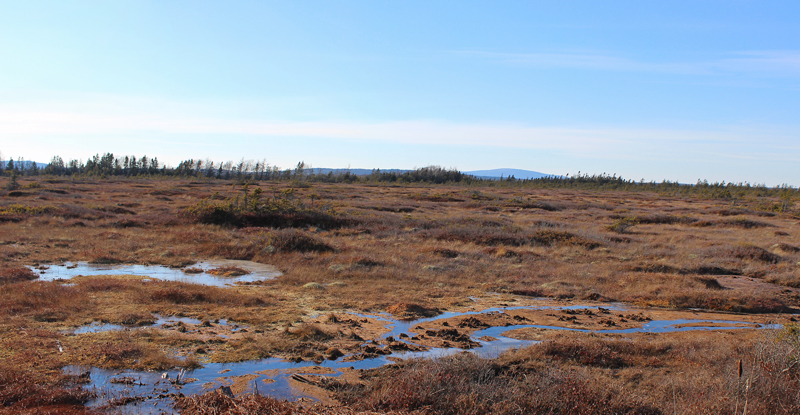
152,392
199,272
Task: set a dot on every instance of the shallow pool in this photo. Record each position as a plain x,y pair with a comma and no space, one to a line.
150,385
256,272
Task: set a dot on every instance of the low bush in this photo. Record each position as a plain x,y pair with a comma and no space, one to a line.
622,225
25,392
16,274
308,332
292,240
755,253
218,402
479,236
549,237
46,301
609,353
662,219
466,384
508,236
250,209
723,301
180,293
743,223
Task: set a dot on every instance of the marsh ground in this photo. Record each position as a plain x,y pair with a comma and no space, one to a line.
406,250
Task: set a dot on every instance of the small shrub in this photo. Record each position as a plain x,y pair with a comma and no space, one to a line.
26,392
445,253
16,274
292,240
711,283
308,332
661,219
46,301
479,236
713,270
548,236
180,293
789,249
752,252
600,352
466,384
215,402
251,209
744,223
657,269
622,225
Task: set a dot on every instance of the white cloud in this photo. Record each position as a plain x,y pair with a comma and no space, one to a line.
760,62
149,121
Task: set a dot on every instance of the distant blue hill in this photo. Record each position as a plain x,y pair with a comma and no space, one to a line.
498,173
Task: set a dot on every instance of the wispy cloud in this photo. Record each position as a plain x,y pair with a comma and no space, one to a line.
758,62
175,122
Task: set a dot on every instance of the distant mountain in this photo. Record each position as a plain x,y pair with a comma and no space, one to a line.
497,173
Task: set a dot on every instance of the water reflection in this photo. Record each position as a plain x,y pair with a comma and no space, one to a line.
492,343
256,272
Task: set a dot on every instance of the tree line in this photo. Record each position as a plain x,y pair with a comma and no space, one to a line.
107,165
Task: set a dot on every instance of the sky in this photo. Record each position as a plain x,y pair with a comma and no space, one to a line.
653,90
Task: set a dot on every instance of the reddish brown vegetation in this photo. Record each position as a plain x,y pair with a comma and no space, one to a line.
180,293
16,274
216,402
420,248
25,392
465,384
411,311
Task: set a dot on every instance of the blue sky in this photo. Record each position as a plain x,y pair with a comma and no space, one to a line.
675,90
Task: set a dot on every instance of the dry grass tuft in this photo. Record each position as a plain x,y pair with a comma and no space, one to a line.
228,271
752,252
293,240
411,311
16,274
181,293
466,384
308,332
43,301
26,392
217,402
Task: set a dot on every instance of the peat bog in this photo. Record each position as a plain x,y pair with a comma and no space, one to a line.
558,286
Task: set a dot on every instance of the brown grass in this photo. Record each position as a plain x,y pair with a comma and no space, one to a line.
466,384
228,271
181,293
16,274
42,301
26,392
373,247
216,402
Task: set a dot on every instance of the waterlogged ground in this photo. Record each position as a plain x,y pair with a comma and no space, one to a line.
572,269
448,333
199,273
